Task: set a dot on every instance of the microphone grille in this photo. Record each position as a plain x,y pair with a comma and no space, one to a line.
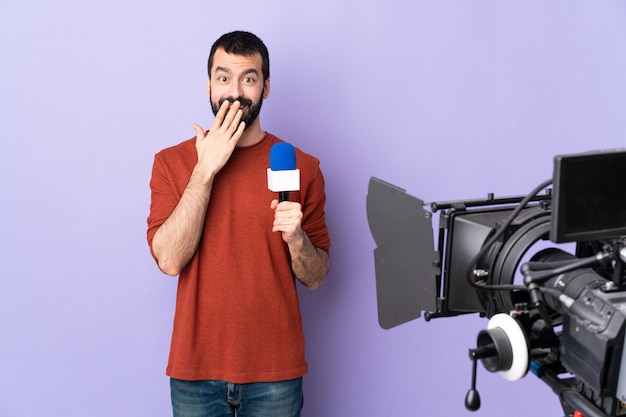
282,157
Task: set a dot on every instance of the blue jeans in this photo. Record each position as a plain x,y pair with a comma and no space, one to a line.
223,399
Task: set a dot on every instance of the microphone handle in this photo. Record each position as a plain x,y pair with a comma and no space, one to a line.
283,196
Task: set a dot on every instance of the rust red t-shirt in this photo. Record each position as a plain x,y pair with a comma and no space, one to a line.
237,313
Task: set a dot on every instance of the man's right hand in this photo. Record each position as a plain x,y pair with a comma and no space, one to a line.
215,147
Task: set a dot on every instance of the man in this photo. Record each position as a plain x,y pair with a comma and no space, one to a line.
237,342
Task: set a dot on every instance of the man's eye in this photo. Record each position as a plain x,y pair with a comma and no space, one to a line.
248,80
222,79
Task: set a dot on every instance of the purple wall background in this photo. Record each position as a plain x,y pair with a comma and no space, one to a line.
448,99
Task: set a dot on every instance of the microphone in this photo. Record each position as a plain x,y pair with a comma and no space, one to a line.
282,175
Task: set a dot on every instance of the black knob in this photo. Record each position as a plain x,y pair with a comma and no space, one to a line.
472,400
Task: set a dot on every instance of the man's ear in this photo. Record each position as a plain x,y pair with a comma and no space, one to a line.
208,86
266,89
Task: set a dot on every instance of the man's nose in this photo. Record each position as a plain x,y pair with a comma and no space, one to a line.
234,90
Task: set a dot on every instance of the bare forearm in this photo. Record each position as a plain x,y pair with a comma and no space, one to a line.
310,264
177,239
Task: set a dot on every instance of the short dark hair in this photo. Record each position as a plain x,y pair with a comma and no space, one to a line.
242,43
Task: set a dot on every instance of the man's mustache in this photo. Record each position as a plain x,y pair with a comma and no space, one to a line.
242,100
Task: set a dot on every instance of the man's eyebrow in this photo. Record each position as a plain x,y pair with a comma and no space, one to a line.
222,69
246,72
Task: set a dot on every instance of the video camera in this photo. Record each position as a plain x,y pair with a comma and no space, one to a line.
565,321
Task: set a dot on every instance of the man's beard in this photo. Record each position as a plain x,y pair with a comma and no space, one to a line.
249,115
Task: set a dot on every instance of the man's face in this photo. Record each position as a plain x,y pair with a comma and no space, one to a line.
238,77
